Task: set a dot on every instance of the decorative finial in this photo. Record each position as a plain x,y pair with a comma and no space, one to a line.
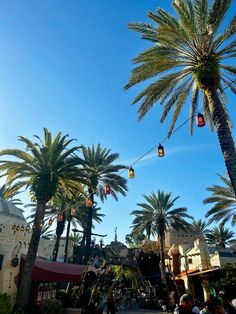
115,234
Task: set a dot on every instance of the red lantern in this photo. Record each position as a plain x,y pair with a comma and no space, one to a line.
200,120
107,189
160,151
131,173
50,222
89,202
60,217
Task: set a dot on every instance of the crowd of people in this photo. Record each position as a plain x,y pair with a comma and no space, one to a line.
221,304
118,299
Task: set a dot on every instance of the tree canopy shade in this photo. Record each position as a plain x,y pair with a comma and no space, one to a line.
223,197
44,167
189,58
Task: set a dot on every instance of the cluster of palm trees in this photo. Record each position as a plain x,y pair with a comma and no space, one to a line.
157,214
59,178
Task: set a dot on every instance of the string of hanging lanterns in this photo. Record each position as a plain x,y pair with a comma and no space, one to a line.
160,151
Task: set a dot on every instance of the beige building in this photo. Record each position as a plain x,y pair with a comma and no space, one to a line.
15,235
194,264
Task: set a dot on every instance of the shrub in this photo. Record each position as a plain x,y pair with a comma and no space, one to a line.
52,306
5,304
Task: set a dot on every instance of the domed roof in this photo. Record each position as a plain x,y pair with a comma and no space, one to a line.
10,210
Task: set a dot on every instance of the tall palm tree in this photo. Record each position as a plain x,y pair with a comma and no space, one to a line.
100,171
223,197
199,227
189,55
44,167
158,210
220,236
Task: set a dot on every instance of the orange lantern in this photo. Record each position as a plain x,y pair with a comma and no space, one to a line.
50,222
131,173
88,202
160,151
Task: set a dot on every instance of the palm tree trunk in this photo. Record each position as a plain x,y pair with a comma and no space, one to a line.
67,240
56,248
22,301
89,226
224,134
162,258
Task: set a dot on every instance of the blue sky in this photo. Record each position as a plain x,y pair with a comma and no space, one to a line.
63,66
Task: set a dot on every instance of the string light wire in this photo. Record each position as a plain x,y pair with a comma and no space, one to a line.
160,142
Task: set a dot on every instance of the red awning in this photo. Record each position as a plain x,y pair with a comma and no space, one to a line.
54,272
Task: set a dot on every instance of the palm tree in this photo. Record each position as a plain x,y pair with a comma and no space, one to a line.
189,56
220,236
199,227
8,192
142,223
158,210
100,171
44,167
224,198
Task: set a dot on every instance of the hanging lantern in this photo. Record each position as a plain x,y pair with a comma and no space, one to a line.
88,202
131,173
60,217
22,228
33,227
27,229
107,189
41,225
160,151
200,120
18,228
73,211
50,222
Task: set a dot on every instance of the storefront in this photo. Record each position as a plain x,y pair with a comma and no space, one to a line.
46,276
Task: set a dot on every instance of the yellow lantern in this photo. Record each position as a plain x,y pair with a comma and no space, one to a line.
131,173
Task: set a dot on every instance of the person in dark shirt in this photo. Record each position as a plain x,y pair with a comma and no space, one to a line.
185,305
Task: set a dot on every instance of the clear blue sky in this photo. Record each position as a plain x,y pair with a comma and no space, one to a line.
63,66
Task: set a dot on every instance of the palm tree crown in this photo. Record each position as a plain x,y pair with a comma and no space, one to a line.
220,236
188,59
224,198
158,213
45,168
100,170
199,227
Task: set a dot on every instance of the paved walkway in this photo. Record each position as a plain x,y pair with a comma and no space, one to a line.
134,309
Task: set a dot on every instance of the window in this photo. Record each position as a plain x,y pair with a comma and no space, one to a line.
190,260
